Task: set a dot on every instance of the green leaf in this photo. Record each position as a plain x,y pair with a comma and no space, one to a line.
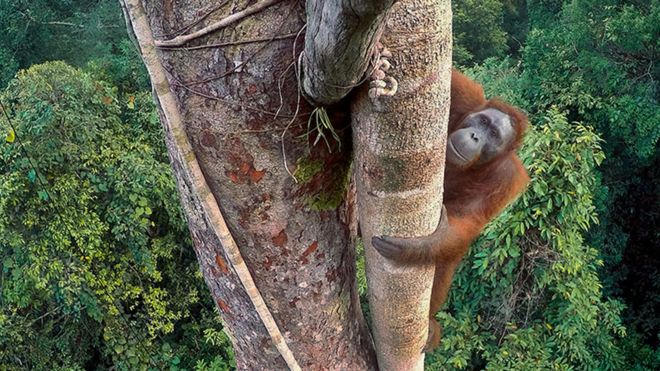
43,195
32,176
11,136
131,102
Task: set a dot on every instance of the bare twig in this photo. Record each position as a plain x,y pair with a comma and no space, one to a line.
50,23
231,43
180,40
58,23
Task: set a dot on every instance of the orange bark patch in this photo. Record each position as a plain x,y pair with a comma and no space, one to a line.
241,164
308,251
232,176
223,306
281,239
245,173
256,175
221,263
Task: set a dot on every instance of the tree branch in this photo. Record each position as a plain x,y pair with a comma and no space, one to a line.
233,43
338,45
180,40
50,23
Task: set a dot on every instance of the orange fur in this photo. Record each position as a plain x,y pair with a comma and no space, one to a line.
472,196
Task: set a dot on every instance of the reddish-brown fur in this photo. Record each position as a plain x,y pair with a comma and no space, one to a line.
472,197
493,184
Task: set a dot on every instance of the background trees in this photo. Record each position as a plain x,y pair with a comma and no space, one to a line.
520,300
97,266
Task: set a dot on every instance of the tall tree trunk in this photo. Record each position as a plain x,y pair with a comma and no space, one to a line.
400,146
293,236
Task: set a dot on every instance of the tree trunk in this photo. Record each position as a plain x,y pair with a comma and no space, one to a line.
400,146
293,236
226,81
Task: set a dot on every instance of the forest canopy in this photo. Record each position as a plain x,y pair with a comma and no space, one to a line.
97,264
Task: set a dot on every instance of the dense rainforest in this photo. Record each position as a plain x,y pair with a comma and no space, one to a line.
97,266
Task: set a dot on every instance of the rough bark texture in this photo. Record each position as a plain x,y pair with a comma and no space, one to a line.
339,41
295,245
399,149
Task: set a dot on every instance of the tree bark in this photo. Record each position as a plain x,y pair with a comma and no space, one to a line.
339,44
293,235
237,132
400,146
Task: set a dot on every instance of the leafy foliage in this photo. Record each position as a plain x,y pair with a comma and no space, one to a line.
597,62
78,31
97,267
486,29
477,28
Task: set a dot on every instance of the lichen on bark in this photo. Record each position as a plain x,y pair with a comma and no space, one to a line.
323,183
